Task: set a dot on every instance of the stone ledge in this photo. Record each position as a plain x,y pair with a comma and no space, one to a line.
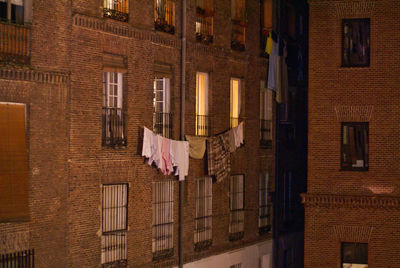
47,77
350,201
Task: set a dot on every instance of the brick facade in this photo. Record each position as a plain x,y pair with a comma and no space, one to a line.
352,206
62,86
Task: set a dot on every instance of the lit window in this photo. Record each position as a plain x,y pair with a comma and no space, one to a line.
116,9
163,219
354,146
204,20
164,15
114,223
202,119
236,99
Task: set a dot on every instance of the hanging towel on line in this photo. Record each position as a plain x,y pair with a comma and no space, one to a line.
197,146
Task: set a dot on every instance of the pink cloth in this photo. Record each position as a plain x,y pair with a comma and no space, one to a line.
166,166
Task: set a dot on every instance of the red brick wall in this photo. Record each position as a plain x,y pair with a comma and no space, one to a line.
339,94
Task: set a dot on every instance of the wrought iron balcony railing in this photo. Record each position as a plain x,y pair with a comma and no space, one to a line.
162,124
202,125
116,9
265,133
164,16
15,43
204,29
113,127
24,258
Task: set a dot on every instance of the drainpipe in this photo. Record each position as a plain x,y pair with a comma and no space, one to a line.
182,131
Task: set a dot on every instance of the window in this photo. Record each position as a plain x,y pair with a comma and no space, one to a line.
163,219
355,45
114,222
24,259
202,120
204,20
12,10
266,102
239,24
236,102
236,201
264,205
161,106
14,173
113,114
265,23
203,231
164,15
116,9
354,255
354,146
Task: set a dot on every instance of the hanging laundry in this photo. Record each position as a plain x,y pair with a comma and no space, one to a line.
273,67
232,144
180,158
219,162
238,135
268,45
197,146
166,167
148,140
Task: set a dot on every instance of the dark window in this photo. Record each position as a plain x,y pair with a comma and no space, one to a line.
116,9
354,146
12,10
203,231
114,223
236,215
164,15
356,44
24,259
354,255
264,204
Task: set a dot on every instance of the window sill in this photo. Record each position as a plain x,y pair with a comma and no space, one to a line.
162,27
203,245
163,254
236,236
364,169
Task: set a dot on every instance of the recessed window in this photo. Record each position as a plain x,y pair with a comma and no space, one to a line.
204,20
236,215
164,15
354,255
12,11
266,102
264,205
236,102
354,146
202,119
116,9
203,231
356,43
162,119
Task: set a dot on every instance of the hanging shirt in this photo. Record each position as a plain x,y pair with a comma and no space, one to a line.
238,135
273,67
197,146
148,140
180,158
166,156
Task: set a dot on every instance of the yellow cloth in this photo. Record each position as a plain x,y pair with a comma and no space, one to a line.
268,46
197,146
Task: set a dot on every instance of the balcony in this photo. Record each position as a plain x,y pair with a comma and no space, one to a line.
15,43
164,16
162,124
238,34
265,133
204,22
113,127
202,125
116,9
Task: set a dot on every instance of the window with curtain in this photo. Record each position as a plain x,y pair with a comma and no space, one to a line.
116,9
113,113
354,146
14,173
236,204
235,107
203,220
266,103
163,219
114,218
162,121
202,118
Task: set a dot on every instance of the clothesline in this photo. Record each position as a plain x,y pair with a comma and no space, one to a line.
169,154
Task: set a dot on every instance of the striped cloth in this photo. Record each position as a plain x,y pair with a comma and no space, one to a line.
218,152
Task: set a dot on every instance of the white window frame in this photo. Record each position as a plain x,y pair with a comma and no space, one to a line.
108,84
114,222
203,220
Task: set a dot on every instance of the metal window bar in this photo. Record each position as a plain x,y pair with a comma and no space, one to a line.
113,127
202,125
114,222
236,221
264,207
162,124
116,9
25,258
203,220
163,219
15,42
265,132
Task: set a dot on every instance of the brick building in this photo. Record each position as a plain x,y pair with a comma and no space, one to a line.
85,77
352,202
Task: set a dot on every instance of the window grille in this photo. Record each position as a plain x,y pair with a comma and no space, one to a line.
24,259
202,118
114,222
116,9
164,15
264,206
203,220
163,219
162,119
113,113
236,194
